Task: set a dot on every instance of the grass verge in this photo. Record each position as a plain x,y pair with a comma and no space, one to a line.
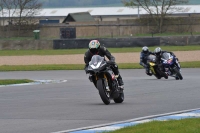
190,125
82,51
168,34
193,64
14,81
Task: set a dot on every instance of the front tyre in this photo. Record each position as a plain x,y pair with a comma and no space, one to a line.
120,99
178,74
157,76
155,72
105,96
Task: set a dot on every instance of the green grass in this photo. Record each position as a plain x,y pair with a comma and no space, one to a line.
41,67
193,64
167,48
42,52
27,38
145,35
191,125
14,81
82,51
167,34
18,38
108,36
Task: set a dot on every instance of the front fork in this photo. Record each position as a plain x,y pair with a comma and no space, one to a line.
151,67
94,78
106,82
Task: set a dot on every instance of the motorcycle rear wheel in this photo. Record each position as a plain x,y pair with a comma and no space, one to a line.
158,77
162,74
120,99
157,74
105,96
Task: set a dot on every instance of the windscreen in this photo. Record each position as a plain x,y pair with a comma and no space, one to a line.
166,56
151,58
95,59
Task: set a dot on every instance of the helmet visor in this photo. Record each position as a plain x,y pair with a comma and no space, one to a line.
158,53
145,52
94,50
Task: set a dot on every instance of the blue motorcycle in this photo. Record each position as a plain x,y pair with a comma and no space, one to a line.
170,66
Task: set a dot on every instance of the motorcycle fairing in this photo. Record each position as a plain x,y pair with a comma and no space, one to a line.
97,62
167,59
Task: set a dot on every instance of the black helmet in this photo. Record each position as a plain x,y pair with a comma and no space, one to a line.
145,49
94,46
158,51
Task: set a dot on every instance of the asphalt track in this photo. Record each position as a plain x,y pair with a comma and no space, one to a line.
47,108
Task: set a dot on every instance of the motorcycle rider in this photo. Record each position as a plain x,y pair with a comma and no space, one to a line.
96,49
143,59
158,52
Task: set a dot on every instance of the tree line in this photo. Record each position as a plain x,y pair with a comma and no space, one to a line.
80,3
90,3
22,12
159,12
19,9
18,13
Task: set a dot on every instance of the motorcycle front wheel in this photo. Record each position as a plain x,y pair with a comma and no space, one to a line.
105,95
162,74
178,74
157,74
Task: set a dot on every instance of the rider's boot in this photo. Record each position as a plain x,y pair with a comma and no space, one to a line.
119,78
176,78
120,82
148,72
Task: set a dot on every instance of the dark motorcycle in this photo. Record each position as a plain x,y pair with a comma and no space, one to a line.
170,66
105,80
155,70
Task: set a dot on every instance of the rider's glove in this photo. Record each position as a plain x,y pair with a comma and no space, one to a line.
145,65
109,62
145,58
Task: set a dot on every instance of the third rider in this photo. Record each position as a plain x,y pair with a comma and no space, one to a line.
143,59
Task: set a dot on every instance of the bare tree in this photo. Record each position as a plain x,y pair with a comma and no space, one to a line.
2,19
192,21
8,9
157,9
1,11
27,10
10,6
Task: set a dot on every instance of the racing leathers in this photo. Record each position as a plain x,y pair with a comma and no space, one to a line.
102,51
143,61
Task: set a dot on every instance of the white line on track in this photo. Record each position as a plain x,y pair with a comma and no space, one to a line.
37,82
192,113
